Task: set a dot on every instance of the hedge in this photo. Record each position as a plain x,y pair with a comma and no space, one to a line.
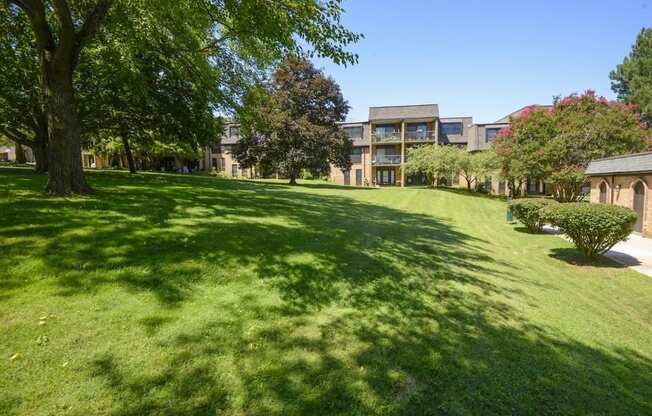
594,228
528,210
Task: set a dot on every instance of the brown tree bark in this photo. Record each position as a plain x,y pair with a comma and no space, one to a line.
40,150
65,173
130,157
20,154
40,146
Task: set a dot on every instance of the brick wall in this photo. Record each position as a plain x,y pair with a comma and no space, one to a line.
337,176
621,192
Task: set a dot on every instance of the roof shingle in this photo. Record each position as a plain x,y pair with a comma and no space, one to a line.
635,163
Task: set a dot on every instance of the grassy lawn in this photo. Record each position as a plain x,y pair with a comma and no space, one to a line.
183,295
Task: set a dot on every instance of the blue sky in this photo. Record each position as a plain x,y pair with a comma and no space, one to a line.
483,58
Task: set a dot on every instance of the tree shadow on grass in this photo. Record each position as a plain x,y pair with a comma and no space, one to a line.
453,357
157,236
573,256
379,311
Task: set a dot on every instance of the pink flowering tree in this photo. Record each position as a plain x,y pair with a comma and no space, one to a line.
556,144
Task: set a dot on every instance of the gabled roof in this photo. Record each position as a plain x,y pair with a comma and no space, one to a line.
518,113
634,163
401,112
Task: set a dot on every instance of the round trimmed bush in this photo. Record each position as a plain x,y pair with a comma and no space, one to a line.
528,211
594,228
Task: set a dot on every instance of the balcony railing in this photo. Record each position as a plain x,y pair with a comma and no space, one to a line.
387,160
356,158
420,135
387,137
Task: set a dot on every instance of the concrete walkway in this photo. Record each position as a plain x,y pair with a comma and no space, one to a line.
636,253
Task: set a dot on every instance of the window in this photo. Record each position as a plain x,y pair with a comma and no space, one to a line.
451,128
214,163
356,155
234,132
222,164
353,132
4,157
487,184
358,177
215,148
490,133
234,170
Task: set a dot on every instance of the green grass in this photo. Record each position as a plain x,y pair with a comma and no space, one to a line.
185,295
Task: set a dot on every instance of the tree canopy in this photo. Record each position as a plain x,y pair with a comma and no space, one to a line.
435,161
632,80
106,66
441,161
297,124
557,144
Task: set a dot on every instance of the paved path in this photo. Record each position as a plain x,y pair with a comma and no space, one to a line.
635,252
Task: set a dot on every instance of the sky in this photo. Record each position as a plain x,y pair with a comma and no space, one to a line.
483,59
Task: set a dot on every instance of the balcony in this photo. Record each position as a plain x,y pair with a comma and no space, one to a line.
387,137
420,136
386,160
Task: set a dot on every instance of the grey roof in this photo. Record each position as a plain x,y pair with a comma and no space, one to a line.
401,112
636,163
518,112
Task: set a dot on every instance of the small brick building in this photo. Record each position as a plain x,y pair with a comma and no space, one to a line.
625,181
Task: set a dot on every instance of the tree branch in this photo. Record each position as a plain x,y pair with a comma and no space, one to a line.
35,11
90,27
16,136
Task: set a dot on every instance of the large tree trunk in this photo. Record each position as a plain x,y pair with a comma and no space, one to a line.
40,150
20,154
65,173
130,157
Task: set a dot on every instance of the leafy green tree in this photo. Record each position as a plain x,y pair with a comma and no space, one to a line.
149,97
296,128
22,115
435,161
474,166
556,145
632,80
235,36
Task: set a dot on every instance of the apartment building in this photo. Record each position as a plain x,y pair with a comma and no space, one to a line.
381,144
219,156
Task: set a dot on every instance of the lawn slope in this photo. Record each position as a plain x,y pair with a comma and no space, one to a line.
186,295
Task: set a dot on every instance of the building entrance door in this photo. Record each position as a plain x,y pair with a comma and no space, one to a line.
386,177
639,203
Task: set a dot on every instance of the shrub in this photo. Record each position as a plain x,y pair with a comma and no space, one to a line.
594,228
528,212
